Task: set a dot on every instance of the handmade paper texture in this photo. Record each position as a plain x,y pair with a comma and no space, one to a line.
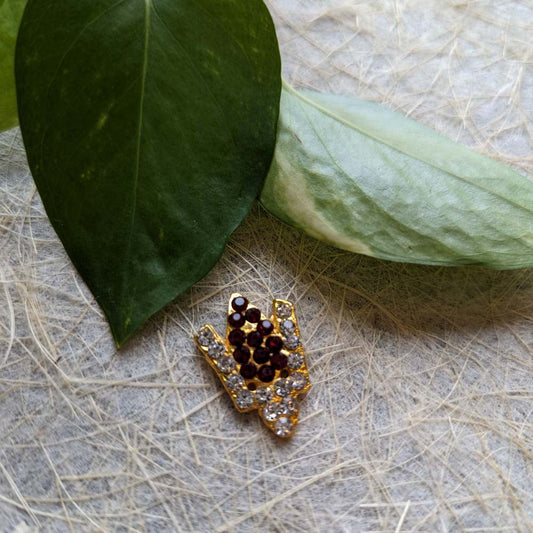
419,418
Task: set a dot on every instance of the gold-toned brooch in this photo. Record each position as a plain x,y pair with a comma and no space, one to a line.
261,363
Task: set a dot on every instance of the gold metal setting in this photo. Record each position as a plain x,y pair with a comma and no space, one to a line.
277,399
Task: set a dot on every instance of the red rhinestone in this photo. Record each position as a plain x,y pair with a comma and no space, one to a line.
236,320
236,337
253,315
266,374
274,344
278,361
254,339
239,304
265,327
248,371
261,355
241,354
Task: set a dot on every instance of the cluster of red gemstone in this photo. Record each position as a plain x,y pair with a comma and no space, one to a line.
267,355
274,344
248,370
261,355
278,361
239,304
241,354
266,374
237,337
265,327
254,339
236,320
253,315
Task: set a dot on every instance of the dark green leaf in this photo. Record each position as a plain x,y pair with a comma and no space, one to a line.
149,127
10,15
369,180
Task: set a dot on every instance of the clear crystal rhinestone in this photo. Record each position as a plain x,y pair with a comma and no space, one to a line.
205,336
298,380
216,349
235,382
292,342
288,406
263,394
283,310
287,327
295,360
283,426
282,387
271,411
244,399
226,364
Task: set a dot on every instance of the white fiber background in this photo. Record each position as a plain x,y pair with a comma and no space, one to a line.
420,415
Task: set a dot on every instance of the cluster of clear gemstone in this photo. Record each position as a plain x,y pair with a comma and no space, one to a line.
283,310
298,380
291,342
244,399
226,364
295,360
271,411
235,382
287,327
288,406
205,337
263,394
216,349
280,413
282,387
283,426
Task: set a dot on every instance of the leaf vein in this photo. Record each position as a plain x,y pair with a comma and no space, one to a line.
385,213
139,136
200,75
351,125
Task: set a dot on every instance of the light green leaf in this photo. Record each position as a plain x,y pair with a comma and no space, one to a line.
10,15
149,127
366,179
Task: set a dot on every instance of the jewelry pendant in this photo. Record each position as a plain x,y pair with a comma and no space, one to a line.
261,363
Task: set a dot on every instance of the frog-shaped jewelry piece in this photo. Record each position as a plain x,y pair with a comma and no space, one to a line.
261,363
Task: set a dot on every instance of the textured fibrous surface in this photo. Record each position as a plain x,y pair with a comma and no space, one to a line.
420,414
